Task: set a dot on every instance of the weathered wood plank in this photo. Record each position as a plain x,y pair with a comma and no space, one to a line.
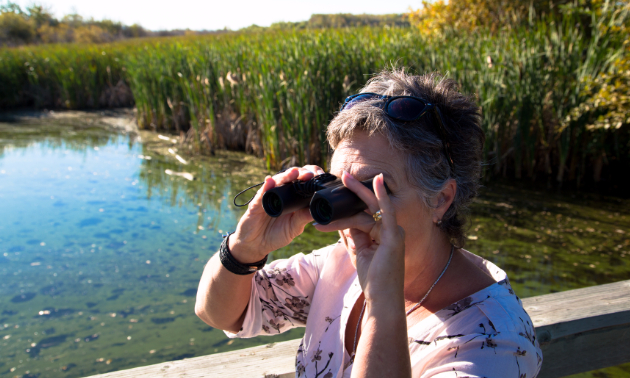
582,330
267,361
578,330
587,351
580,310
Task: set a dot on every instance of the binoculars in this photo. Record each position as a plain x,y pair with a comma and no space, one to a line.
325,195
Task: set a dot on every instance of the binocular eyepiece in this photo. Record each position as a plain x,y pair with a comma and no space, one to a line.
325,195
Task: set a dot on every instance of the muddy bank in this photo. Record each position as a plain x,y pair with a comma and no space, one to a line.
121,120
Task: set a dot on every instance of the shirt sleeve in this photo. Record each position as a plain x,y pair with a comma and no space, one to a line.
281,294
484,356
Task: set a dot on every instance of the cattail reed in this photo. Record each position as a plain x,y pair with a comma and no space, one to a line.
273,93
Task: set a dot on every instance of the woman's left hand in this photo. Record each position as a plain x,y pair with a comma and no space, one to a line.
378,246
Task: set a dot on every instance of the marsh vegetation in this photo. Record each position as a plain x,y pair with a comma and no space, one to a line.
272,93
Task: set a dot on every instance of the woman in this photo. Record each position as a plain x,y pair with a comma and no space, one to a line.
396,296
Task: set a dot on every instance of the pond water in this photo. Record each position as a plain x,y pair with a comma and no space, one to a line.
102,246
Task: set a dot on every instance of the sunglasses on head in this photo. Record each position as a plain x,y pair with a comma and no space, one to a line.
404,108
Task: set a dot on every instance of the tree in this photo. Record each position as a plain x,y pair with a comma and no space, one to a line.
134,31
468,15
10,8
608,106
92,34
15,28
40,16
36,24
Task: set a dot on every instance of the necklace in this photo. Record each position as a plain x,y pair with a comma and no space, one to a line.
356,332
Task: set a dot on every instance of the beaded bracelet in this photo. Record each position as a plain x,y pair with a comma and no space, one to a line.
231,264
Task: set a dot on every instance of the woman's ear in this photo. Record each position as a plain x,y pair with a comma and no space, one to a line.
444,200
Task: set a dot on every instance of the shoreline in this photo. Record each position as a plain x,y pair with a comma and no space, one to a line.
125,121
122,120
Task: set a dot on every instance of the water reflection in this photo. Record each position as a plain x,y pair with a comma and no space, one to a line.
72,135
101,250
103,238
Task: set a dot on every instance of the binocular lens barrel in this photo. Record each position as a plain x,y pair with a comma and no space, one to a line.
321,211
283,199
272,204
328,202
332,204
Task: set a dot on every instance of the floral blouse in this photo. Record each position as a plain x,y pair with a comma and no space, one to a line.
487,334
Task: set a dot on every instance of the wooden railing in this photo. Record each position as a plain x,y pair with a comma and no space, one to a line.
578,330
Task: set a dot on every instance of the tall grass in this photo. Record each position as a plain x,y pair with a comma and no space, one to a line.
273,93
59,76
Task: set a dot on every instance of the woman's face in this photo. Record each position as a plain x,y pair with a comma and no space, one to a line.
364,157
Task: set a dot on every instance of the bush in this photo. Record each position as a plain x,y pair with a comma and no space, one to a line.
92,34
61,33
36,24
608,104
15,29
440,16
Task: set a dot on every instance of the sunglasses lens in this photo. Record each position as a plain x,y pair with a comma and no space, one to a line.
358,99
405,109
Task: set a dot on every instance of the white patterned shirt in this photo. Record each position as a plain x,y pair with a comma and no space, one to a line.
487,334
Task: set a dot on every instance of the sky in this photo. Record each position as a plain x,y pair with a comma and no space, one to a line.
215,14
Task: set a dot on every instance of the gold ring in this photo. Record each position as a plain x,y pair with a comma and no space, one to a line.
377,216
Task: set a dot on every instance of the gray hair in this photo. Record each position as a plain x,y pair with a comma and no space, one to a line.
427,164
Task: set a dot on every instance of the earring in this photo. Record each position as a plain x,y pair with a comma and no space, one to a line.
438,223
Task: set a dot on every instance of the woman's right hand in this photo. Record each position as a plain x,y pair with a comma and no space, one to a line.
258,234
